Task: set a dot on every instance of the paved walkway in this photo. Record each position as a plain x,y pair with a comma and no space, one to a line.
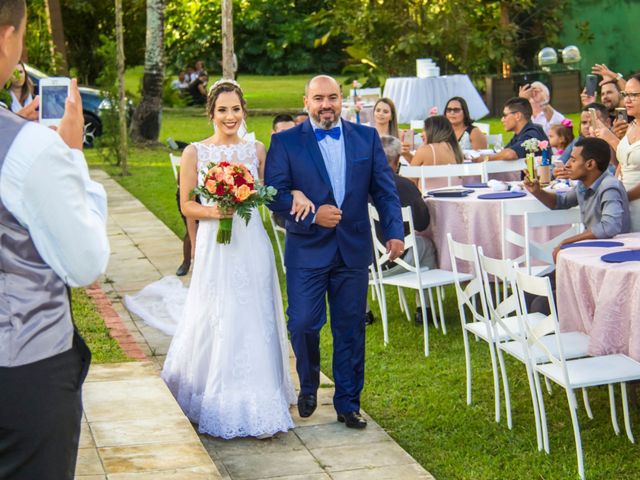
144,250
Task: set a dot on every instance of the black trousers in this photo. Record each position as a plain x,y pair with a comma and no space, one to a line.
40,414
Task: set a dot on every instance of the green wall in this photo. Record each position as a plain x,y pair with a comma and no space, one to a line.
614,25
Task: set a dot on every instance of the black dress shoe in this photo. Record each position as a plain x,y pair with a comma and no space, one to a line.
352,420
183,269
369,318
307,405
418,316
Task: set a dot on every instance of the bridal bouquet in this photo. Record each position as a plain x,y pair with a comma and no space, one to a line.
231,185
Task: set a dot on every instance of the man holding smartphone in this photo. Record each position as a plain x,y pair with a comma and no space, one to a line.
53,236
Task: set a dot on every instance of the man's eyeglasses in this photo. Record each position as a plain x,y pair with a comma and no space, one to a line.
506,114
452,110
631,95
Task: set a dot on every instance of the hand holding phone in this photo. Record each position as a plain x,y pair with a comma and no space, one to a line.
621,115
53,96
407,138
591,85
594,118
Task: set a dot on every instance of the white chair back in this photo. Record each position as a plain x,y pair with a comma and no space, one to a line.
467,296
368,94
175,164
500,166
484,127
426,172
495,139
571,219
509,236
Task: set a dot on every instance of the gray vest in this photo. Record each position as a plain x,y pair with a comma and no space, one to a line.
35,320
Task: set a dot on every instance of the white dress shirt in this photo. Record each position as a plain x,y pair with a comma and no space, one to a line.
46,187
334,157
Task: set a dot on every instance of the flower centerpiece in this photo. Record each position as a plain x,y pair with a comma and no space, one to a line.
232,186
533,146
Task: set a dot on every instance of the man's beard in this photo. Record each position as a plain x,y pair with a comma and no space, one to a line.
326,124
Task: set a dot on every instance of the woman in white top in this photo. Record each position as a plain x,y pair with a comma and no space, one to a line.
543,113
20,89
469,137
440,148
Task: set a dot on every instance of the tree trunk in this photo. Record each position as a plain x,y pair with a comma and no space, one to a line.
56,28
145,126
122,103
228,67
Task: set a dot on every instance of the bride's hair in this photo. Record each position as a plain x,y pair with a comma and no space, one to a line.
222,86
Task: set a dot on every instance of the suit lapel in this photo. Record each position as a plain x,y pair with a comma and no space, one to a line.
349,154
311,145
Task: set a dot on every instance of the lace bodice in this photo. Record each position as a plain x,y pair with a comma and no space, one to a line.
244,152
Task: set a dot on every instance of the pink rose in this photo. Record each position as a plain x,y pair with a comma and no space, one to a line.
543,145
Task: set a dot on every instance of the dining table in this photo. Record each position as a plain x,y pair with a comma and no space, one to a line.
601,297
473,220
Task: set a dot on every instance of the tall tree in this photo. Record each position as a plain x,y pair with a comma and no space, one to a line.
228,70
56,28
145,126
122,103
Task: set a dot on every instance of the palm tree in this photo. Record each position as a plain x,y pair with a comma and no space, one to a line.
145,126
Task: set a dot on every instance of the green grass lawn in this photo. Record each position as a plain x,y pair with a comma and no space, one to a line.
421,401
104,349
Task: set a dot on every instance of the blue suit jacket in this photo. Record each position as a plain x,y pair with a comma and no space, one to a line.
294,162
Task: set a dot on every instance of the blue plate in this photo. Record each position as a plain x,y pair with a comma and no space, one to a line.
501,195
453,192
595,243
619,257
475,185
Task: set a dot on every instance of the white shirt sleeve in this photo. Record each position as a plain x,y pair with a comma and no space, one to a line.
47,188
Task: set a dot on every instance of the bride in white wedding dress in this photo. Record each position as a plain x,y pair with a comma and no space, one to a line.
228,363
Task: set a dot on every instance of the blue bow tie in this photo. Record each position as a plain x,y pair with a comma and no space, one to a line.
332,132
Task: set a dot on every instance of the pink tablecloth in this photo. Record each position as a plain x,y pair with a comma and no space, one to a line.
601,299
476,221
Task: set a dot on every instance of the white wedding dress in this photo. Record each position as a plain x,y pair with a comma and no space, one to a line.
228,362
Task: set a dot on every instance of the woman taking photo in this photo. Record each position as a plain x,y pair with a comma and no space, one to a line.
385,120
468,136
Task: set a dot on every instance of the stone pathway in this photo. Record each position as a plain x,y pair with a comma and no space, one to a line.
143,250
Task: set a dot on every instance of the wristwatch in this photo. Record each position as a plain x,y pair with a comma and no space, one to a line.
619,76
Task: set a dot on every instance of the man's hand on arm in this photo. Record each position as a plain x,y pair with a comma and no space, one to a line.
395,248
535,189
328,216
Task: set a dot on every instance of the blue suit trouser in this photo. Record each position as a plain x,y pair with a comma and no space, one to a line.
346,290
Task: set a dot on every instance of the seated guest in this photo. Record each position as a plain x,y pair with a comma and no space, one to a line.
20,89
181,83
409,196
385,120
561,136
601,197
468,136
281,123
516,118
440,147
543,113
197,89
301,117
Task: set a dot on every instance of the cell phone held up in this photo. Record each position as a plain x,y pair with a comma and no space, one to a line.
621,115
591,84
407,138
53,96
593,117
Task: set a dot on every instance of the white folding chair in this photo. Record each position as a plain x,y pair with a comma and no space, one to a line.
175,164
368,94
426,172
505,166
509,331
495,139
479,324
509,236
416,277
543,251
572,374
484,127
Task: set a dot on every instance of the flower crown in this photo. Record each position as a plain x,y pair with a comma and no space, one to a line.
225,81
567,123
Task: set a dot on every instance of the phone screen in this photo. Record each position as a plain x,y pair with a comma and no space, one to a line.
52,101
621,114
592,114
591,85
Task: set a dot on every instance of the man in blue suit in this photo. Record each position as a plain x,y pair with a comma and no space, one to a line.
337,165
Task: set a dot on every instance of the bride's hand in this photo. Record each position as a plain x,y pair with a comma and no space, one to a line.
221,212
301,205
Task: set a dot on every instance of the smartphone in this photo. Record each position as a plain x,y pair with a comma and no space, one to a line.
594,118
621,115
407,138
53,95
591,85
